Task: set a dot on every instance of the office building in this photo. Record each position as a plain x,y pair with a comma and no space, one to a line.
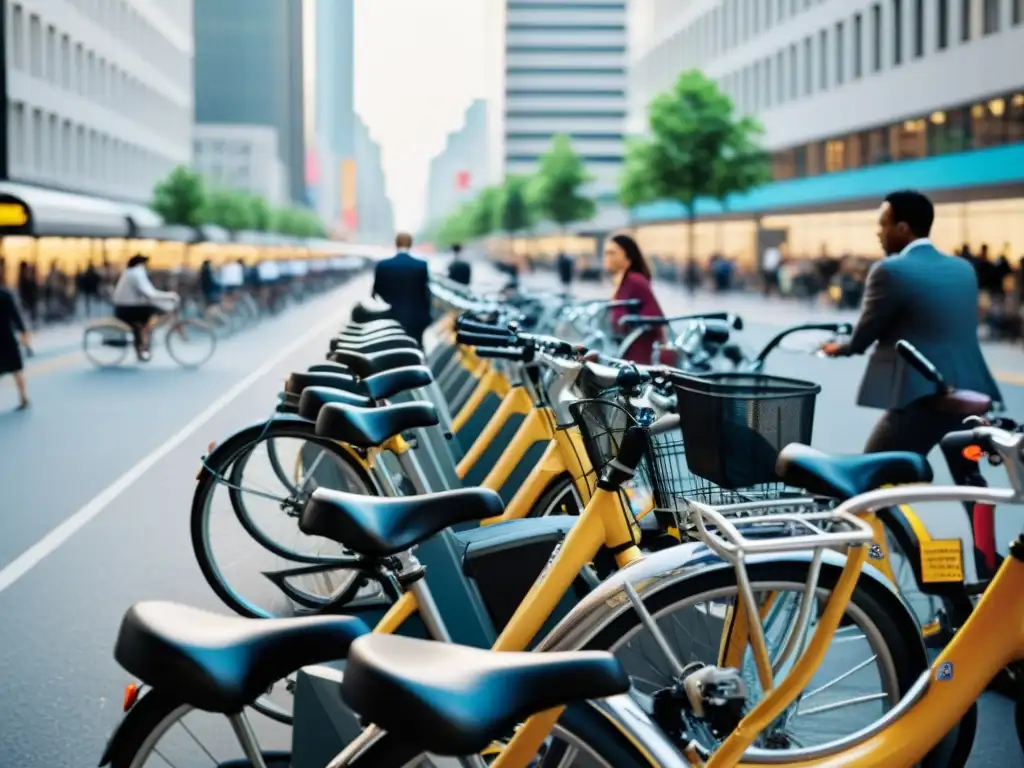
565,72
243,157
460,170
858,98
98,95
375,216
248,71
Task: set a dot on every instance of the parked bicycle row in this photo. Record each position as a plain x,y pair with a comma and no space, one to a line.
518,549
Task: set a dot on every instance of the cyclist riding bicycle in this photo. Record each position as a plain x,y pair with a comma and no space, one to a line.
139,303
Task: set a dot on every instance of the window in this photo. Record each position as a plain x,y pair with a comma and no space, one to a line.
90,74
17,36
65,149
840,53
80,150
768,100
858,46
823,57
18,135
65,62
780,77
918,29
965,21
808,66
768,8
942,19
876,38
53,160
835,155
794,73
51,53
35,46
897,32
1017,12
37,143
990,17
79,70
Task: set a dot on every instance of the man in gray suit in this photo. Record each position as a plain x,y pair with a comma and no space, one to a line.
931,300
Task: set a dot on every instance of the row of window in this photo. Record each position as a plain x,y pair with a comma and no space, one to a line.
845,51
44,52
994,123
47,146
123,21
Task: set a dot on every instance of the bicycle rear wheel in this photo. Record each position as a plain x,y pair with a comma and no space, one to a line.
191,343
106,343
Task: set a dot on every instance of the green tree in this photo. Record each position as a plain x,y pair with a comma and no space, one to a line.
180,197
556,188
457,227
228,208
261,213
482,212
697,149
297,222
514,210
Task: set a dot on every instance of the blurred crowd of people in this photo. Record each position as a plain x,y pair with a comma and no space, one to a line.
57,296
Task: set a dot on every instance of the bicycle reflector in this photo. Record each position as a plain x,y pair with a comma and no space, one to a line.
973,453
131,693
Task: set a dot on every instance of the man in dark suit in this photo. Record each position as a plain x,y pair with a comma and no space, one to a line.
931,300
404,283
459,270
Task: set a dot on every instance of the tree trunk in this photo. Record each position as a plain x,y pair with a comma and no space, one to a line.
691,240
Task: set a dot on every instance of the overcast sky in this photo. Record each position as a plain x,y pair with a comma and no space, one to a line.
419,64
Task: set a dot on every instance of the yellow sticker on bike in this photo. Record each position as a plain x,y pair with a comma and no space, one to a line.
942,560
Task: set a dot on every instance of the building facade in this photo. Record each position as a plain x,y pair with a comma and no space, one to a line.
375,216
857,97
99,95
460,170
566,72
243,157
249,71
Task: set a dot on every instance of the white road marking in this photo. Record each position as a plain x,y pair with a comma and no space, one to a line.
47,545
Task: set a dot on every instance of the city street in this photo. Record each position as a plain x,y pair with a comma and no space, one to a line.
98,479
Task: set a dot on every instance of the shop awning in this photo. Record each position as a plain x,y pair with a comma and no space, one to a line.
29,210
211,233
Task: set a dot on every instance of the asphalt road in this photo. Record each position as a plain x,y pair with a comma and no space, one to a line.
97,480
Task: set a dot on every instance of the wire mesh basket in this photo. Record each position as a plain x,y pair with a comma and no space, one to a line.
735,424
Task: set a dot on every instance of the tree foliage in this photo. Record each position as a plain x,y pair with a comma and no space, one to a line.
184,198
180,198
697,149
556,189
514,210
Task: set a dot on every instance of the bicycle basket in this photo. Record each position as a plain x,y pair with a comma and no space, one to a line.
603,423
735,424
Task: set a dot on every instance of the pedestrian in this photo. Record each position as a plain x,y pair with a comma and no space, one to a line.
459,271
692,275
566,266
631,276
12,327
90,287
771,260
28,291
403,281
918,294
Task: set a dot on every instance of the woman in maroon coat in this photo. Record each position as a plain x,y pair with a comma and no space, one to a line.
631,277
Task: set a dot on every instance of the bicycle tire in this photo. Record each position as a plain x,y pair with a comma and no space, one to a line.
887,611
559,498
218,464
148,718
97,329
181,327
580,722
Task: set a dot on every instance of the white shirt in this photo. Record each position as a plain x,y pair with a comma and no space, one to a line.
268,270
771,260
914,244
134,289
231,275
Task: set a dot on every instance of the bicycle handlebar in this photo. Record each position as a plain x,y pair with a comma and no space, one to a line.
920,363
518,354
840,329
485,339
638,321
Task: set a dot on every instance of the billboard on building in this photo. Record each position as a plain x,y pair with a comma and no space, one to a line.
349,194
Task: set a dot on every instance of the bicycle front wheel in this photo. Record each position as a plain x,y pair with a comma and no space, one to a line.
582,738
191,343
876,656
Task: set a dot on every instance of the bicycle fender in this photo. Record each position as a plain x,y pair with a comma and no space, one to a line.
671,566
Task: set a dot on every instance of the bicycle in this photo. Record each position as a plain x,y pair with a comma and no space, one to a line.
190,343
